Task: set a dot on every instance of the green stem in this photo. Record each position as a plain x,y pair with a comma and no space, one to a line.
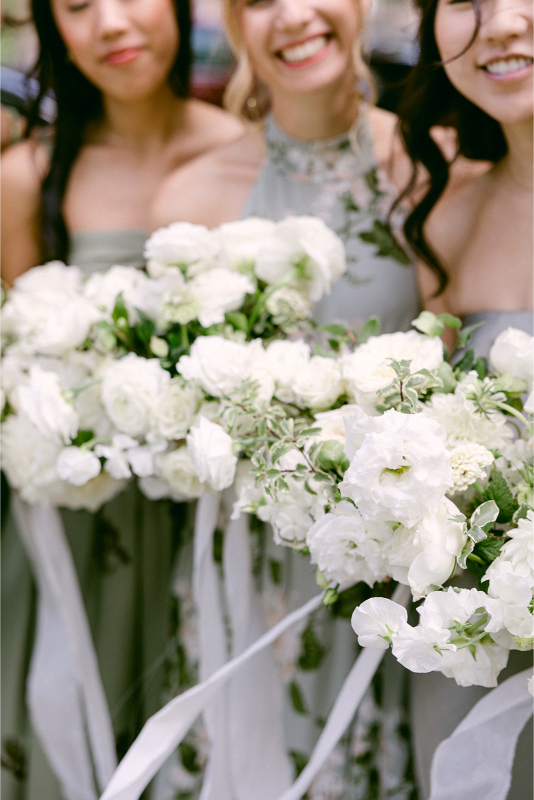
184,336
514,412
262,299
472,641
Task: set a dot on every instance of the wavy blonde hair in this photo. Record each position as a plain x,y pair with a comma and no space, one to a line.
247,97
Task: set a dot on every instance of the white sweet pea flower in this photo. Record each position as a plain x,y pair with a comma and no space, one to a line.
443,609
130,389
142,458
368,369
175,409
518,552
210,449
116,455
305,243
286,359
346,548
376,620
42,400
512,353
241,240
481,669
420,649
77,466
218,291
319,383
28,458
468,462
400,471
512,583
193,248
292,514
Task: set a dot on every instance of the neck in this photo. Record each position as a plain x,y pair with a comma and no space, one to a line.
143,123
318,115
518,164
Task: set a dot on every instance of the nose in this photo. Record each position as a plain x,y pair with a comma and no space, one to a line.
502,21
293,15
111,18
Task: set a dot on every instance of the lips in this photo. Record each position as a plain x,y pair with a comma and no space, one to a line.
123,56
304,51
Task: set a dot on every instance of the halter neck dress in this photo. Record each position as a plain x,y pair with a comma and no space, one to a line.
123,556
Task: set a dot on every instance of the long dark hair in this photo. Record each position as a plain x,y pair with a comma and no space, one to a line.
79,102
431,99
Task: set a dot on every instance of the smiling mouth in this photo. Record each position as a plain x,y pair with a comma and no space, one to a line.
504,66
296,54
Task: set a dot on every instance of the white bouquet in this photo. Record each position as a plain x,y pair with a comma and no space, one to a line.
383,462
91,394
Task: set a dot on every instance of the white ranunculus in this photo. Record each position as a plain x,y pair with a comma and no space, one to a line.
286,359
305,243
77,466
52,277
319,383
130,389
174,411
346,548
400,471
368,369
241,240
210,449
28,458
220,366
512,353
375,620
192,247
332,423
292,514
41,398
177,470
219,290
415,648
468,463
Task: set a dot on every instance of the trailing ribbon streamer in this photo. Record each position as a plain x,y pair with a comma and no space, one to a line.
66,699
164,731
476,760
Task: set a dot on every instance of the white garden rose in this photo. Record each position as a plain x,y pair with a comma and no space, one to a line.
28,458
512,353
130,389
177,470
368,369
468,463
375,620
401,471
286,359
220,366
211,452
241,240
346,548
192,247
77,466
319,383
41,399
218,291
308,245
174,411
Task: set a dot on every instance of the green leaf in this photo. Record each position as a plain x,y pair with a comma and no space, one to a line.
280,449
299,761
489,549
477,534
332,456
386,244
218,542
335,330
485,514
450,321
312,651
119,311
370,327
464,337
188,757
276,571
349,599
446,376
237,320
297,698
429,323
82,437
499,491
481,367
466,552
468,361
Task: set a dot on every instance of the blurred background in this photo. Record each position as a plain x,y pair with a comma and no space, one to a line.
389,41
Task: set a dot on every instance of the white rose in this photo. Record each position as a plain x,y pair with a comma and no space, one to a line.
241,241
286,359
192,247
28,458
305,243
513,353
177,470
346,548
77,466
130,389
41,398
319,383
368,370
221,366
375,620
210,449
175,409
400,471
219,290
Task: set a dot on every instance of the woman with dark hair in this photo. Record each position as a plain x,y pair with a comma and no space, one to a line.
80,192
474,74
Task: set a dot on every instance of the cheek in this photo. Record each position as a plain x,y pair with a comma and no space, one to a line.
159,21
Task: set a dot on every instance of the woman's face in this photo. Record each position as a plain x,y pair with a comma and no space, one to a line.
300,46
124,47
495,73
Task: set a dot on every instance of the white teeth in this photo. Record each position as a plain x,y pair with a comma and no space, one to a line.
503,66
301,52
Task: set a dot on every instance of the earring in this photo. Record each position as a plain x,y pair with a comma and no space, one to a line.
252,109
69,57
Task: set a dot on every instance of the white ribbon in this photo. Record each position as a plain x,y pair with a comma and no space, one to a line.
66,699
476,760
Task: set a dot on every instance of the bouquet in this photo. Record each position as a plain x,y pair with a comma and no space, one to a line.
385,462
91,392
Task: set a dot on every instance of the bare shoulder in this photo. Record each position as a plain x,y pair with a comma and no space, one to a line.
24,166
211,126
388,147
212,188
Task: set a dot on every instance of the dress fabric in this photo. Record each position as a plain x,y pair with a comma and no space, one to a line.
438,704
123,556
340,181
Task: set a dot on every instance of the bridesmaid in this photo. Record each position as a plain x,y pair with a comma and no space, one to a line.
474,72
80,192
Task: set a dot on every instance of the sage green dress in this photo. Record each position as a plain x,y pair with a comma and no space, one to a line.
123,556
